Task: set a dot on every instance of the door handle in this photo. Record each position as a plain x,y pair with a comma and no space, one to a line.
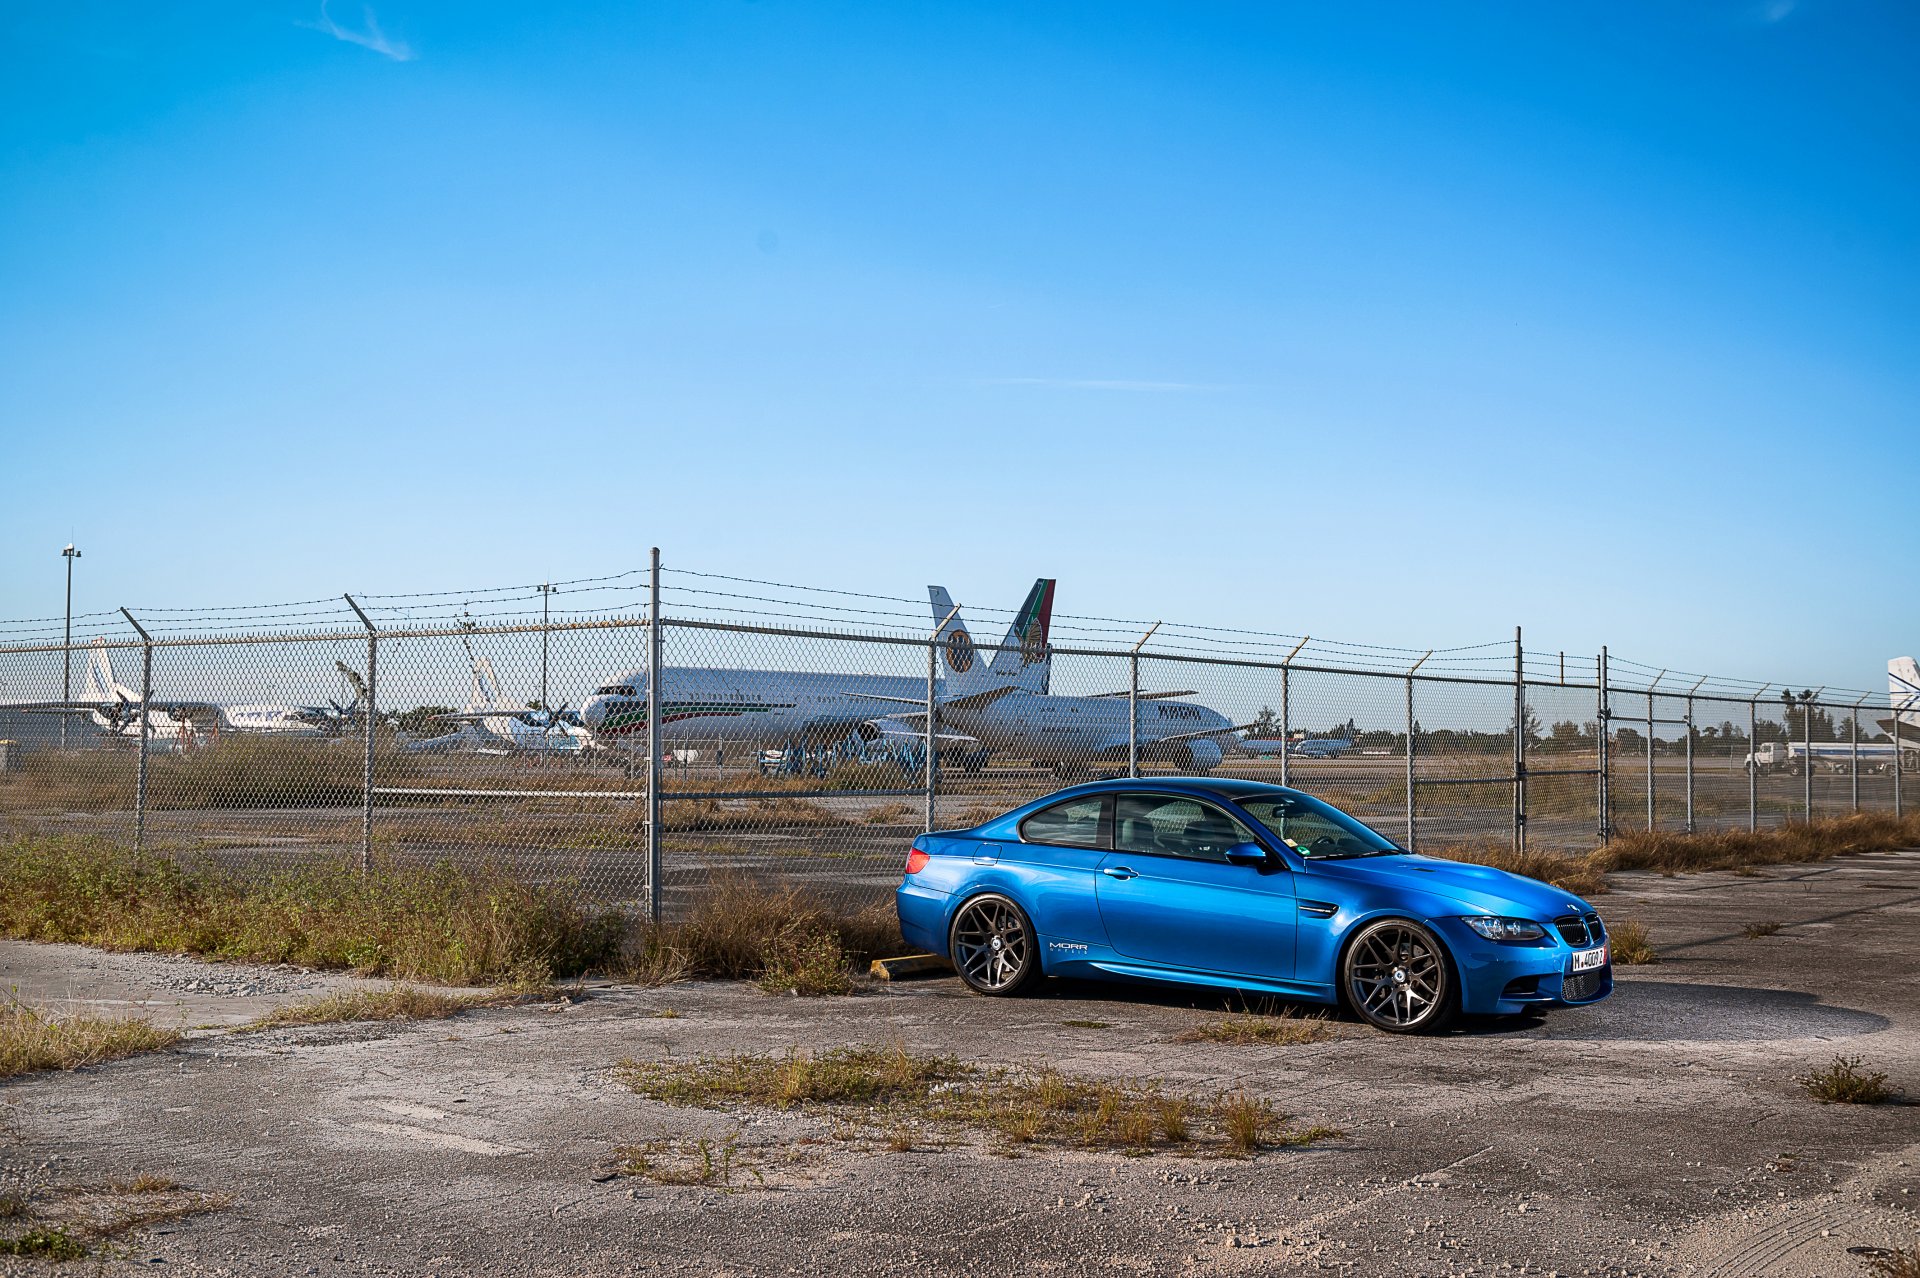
1119,872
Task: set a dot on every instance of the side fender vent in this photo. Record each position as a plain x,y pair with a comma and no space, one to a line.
1319,909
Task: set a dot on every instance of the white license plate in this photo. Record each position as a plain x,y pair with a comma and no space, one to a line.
1587,960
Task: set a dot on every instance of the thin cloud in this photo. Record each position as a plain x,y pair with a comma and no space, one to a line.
370,38
1081,383
1776,10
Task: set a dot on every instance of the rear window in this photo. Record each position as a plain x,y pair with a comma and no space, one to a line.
1073,824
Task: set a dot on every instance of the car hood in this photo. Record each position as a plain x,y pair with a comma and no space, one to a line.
1481,888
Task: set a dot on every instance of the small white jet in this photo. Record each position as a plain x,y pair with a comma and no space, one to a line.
491,724
114,708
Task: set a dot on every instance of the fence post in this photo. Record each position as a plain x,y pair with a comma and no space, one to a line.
1753,762
1519,744
370,719
146,728
1690,691
1604,729
1894,706
1650,786
1133,702
1853,736
1133,713
1286,712
1412,831
655,649
933,709
1806,758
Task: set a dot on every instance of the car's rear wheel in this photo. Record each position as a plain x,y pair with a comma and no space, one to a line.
1396,977
993,945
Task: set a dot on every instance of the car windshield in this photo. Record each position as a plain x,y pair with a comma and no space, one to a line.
1316,830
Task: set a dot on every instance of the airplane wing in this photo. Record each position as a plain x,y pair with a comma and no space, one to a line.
1147,696
1262,745
173,709
974,701
897,726
1204,732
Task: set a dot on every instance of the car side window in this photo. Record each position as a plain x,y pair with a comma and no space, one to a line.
1167,826
1073,824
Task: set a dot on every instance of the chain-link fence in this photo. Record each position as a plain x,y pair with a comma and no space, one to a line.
805,744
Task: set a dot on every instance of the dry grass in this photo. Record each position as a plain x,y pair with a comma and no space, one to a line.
1278,1031
1754,931
1843,1082
33,1039
442,923
779,937
1674,853
66,1222
397,1003
238,771
1901,1262
1631,943
888,813
893,1090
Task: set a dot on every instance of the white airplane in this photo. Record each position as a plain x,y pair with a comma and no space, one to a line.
114,708
1903,696
801,707
1060,731
492,725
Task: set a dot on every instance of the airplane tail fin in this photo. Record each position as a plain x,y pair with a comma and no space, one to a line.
101,685
1903,691
1024,657
965,671
486,685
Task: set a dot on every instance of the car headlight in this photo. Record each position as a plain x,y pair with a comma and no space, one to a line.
1495,928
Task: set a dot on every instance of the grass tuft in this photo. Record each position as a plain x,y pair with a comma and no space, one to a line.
1631,943
1843,1082
33,1039
442,923
897,1091
396,1003
1671,852
1898,1263
1754,931
1281,1031
44,1244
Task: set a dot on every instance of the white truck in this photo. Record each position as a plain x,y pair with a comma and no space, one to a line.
1792,757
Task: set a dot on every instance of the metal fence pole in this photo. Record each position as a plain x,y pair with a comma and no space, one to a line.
1806,760
1753,765
1133,713
1898,812
1286,712
1519,744
1690,816
371,718
1650,811
933,710
1133,703
1412,830
1603,728
146,729
1853,736
655,672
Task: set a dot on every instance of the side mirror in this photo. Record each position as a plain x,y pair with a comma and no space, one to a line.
1246,854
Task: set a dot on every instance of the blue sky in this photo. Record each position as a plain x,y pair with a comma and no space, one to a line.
1405,324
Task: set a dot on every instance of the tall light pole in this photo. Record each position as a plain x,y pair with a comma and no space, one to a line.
66,651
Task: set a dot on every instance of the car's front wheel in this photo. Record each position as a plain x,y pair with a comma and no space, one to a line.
1397,978
993,945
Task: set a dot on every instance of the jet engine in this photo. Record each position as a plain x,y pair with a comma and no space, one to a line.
1203,754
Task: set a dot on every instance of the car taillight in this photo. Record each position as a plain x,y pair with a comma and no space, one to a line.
917,859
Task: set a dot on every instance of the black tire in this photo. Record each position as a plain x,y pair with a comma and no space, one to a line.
993,946
1398,977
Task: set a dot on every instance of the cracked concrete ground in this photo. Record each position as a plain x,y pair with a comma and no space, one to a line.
1660,1133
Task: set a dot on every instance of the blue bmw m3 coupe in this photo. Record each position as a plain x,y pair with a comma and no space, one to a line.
1251,886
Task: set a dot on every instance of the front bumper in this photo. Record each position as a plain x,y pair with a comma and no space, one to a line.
1501,978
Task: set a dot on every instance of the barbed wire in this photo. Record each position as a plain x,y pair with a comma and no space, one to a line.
828,609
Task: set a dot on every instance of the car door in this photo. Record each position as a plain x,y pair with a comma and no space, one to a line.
1168,895
1054,866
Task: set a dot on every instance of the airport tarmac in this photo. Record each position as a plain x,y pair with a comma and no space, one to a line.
1660,1133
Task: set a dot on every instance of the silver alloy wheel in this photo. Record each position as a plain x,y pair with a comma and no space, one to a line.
992,947
1394,976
